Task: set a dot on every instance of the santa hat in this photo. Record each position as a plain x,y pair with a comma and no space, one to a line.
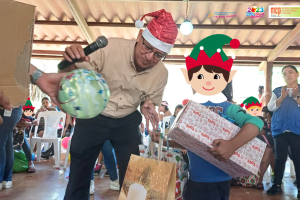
184,102
28,105
161,32
209,52
250,101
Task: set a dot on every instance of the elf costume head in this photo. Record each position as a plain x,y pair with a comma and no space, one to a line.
252,105
208,69
28,108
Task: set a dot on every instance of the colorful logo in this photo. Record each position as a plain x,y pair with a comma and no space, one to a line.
221,14
278,11
255,12
209,14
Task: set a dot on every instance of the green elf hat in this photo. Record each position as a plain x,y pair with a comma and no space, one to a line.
251,101
28,105
209,52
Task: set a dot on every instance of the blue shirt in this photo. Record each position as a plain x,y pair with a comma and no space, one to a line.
200,169
287,116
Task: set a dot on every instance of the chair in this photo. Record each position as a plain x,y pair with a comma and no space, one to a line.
51,119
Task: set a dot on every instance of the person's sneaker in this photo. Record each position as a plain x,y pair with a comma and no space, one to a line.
295,182
114,185
92,187
274,190
7,184
0,186
106,174
97,169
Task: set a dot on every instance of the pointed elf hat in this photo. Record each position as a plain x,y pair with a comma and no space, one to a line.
161,31
251,101
209,52
28,105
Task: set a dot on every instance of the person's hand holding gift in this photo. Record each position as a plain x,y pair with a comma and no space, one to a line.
222,149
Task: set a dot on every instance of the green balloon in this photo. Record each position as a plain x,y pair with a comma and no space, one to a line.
83,93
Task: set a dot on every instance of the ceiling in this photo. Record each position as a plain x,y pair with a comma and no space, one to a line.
56,28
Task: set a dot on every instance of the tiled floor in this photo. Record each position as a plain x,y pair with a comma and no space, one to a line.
49,184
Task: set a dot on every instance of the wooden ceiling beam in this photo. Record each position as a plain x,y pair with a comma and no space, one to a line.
80,20
196,26
212,1
182,58
284,44
180,46
248,63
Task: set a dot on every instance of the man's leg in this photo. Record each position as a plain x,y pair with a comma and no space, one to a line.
126,138
294,141
87,141
281,149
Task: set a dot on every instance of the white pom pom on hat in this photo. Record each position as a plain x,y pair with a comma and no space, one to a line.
139,24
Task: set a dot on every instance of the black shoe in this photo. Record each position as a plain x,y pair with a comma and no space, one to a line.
48,153
274,190
48,150
295,182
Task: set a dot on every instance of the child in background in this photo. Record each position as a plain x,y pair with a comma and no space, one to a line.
23,131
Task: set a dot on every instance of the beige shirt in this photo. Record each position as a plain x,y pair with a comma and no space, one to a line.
127,87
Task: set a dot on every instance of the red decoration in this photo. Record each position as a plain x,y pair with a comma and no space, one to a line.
184,102
203,59
162,26
234,43
30,107
253,104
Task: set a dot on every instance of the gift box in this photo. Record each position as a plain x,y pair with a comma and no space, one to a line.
196,127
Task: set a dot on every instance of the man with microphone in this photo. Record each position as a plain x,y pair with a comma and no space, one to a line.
136,77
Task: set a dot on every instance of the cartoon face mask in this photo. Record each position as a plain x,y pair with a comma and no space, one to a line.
28,108
252,105
208,69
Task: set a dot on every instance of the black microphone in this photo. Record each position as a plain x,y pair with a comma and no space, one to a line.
100,42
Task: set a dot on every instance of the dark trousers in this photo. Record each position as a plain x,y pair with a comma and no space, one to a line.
282,142
87,141
206,191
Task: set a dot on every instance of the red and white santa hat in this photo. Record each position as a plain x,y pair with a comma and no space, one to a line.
161,32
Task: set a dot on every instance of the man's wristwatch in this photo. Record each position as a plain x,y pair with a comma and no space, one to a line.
35,76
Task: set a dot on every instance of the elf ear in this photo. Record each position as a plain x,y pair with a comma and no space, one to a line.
185,74
232,73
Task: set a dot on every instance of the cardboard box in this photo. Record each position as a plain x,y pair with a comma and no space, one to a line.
16,22
197,126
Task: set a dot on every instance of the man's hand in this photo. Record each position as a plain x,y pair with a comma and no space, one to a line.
4,102
75,52
148,110
49,84
295,92
222,149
